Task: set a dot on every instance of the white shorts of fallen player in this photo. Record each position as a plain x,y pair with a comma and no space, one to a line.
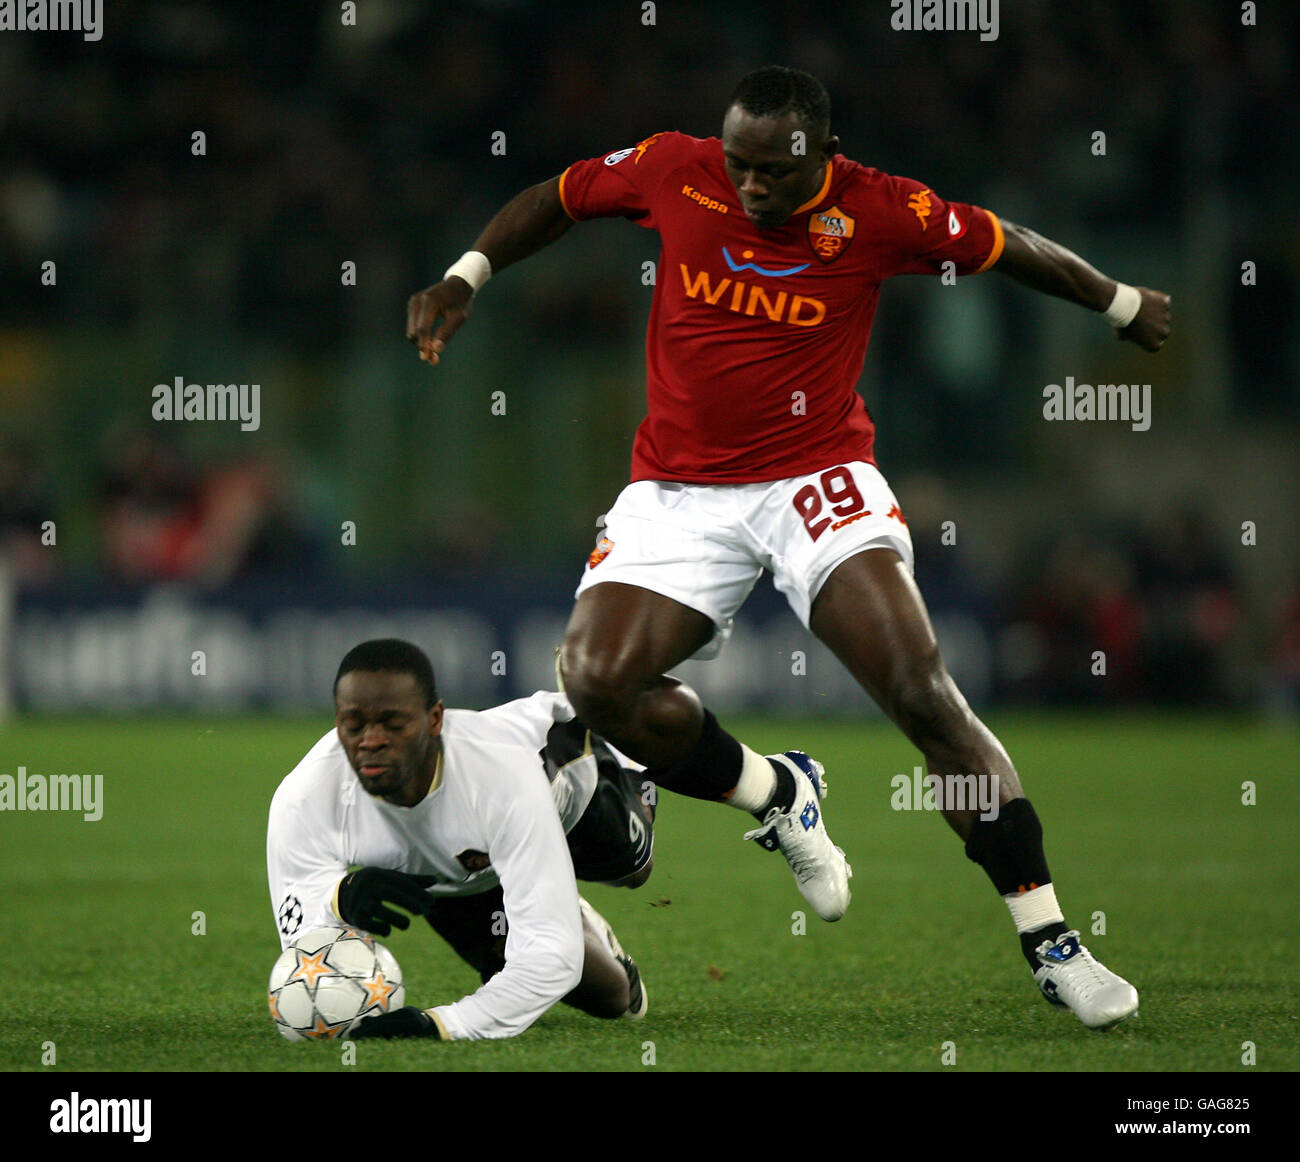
705,545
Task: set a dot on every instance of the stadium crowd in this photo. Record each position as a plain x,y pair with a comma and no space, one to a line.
374,144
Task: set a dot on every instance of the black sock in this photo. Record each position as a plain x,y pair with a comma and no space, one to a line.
1010,849
1031,940
710,771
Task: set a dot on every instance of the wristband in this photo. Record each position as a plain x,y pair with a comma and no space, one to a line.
1124,306
473,267
443,1035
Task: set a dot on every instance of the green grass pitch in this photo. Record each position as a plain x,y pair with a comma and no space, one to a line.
1144,822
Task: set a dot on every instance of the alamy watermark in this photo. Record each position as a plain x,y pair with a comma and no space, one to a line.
916,792
33,792
945,16
102,1115
213,401
1128,402
83,16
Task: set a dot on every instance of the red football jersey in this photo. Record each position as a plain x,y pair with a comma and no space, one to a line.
757,337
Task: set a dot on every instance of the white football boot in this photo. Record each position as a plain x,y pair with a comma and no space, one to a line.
638,999
1072,977
819,867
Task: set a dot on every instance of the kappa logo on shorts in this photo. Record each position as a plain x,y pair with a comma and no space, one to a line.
602,550
848,520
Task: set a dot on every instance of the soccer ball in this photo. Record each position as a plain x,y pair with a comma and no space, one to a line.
326,981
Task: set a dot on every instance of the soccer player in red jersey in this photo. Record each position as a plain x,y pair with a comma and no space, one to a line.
756,453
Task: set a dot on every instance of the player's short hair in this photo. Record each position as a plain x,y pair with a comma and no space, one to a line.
391,655
775,90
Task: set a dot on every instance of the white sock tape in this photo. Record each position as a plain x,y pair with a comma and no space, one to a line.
756,784
473,267
1124,306
1035,908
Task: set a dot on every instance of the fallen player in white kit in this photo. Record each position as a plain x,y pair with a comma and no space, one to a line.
477,820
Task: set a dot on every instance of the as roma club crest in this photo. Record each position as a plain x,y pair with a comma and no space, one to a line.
829,233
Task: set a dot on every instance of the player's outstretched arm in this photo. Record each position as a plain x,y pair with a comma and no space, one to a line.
526,223
1045,266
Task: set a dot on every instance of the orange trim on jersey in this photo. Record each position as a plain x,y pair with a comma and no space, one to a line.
820,194
564,203
998,242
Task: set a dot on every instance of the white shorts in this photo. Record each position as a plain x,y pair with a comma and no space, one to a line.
705,545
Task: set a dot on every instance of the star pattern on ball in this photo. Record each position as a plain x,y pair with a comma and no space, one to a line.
321,1030
329,982
378,990
311,967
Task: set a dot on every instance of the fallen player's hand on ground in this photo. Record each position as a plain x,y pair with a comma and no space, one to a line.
407,1022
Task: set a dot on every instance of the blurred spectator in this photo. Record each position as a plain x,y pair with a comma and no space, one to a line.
1191,606
26,503
1283,679
1082,602
150,508
373,144
163,520
1163,607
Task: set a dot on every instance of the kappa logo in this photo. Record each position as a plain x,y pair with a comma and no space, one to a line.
848,520
704,201
919,204
642,146
830,232
639,148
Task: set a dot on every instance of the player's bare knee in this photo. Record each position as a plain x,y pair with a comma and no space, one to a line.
601,689
930,709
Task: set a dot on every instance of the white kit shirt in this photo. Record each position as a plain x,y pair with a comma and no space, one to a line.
490,798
